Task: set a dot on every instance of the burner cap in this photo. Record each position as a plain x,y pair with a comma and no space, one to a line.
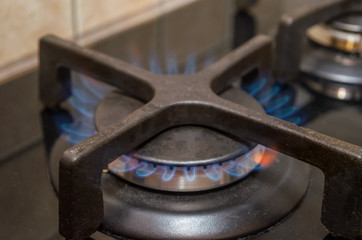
336,74
342,33
184,145
349,22
173,159
332,74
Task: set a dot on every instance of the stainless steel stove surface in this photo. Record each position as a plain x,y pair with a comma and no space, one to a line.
197,145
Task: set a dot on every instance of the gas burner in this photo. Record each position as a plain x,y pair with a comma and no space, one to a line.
330,62
335,69
343,33
185,158
88,201
241,209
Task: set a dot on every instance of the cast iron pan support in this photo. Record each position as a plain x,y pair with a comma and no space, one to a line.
186,99
292,28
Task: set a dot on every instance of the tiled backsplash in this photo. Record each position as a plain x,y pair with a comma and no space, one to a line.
93,14
23,22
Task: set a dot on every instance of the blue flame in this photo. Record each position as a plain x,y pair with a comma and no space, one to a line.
146,169
74,139
85,109
172,68
212,172
255,86
285,112
128,165
169,173
276,98
276,104
155,66
190,173
236,170
74,129
86,94
265,96
136,63
190,67
208,60
238,167
172,63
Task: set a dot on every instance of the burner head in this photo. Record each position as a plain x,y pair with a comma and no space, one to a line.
184,158
342,33
349,22
333,64
260,202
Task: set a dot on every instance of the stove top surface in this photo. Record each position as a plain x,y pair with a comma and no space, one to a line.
32,196
29,202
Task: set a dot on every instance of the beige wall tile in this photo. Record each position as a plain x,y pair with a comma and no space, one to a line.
23,22
92,14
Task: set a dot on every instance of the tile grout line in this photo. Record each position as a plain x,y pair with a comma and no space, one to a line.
75,13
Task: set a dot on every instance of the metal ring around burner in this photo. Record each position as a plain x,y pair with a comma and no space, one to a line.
334,38
184,158
186,178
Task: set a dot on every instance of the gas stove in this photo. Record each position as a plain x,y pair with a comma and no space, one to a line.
208,147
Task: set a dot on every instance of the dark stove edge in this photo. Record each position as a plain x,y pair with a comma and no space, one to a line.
20,123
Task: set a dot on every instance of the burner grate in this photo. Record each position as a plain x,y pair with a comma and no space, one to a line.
177,100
